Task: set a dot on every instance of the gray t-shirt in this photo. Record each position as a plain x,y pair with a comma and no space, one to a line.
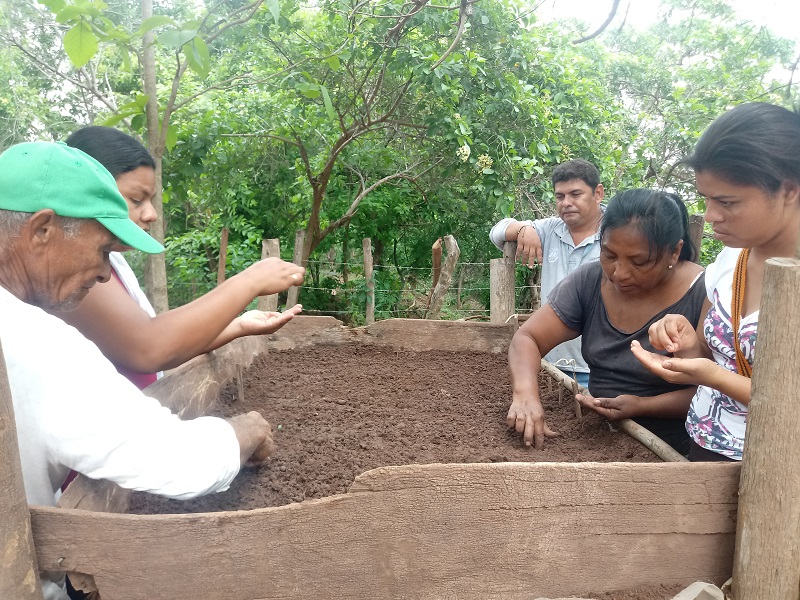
607,350
560,257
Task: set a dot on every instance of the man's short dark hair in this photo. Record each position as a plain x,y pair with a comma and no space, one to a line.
577,169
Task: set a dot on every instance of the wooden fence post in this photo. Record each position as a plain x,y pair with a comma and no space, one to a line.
696,223
502,280
20,575
269,248
439,292
367,246
223,256
766,561
294,292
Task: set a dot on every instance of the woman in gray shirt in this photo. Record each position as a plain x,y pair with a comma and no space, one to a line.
645,271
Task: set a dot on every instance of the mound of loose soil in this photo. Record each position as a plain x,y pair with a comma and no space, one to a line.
337,411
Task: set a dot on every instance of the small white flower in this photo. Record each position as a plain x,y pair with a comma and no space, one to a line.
463,153
457,116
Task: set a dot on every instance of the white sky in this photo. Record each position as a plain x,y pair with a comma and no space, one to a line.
782,17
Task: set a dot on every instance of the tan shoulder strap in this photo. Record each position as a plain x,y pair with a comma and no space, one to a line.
739,279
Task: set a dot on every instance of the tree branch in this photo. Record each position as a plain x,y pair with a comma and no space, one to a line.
602,27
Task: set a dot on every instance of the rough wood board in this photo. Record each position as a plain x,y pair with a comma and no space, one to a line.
421,334
512,531
413,334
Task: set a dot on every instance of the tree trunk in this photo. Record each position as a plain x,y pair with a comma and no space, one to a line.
155,270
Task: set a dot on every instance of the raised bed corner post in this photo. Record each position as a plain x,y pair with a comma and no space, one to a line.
20,573
368,276
269,248
445,279
767,556
502,279
294,292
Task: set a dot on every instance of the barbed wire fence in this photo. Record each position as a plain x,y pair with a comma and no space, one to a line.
339,289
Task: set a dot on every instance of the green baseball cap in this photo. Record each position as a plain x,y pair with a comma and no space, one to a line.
38,175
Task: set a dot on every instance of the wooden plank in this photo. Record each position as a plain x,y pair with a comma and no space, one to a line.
269,248
768,537
20,575
456,336
512,531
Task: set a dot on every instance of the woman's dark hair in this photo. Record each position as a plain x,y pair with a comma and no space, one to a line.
118,152
755,144
661,216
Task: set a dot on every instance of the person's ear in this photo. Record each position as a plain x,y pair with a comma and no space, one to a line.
41,229
676,253
599,192
791,192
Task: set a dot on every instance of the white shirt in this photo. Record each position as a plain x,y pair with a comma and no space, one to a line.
74,411
715,421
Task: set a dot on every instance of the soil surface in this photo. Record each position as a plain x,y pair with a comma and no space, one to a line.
337,411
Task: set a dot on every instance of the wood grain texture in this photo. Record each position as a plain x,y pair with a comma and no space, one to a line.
445,278
768,536
512,531
19,577
502,300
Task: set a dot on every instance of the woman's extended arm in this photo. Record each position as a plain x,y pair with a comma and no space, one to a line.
695,371
538,335
128,336
669,405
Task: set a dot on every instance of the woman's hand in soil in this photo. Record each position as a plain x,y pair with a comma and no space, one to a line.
527,418
254,434
257,322
675,334
687,371
613,409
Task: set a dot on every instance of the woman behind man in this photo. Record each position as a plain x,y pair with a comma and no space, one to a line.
118,317
747,166
644,272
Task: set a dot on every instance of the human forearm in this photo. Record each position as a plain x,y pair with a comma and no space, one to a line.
672,405
524,358
729,383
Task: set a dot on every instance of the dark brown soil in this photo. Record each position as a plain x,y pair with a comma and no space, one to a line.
337,411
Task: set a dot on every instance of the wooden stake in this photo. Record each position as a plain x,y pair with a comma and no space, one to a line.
269,248
501,284
642,435
19,578
366,244
766,563
696,223
294,292
223,256
437,297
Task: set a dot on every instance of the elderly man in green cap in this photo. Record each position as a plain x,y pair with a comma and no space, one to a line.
60,216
